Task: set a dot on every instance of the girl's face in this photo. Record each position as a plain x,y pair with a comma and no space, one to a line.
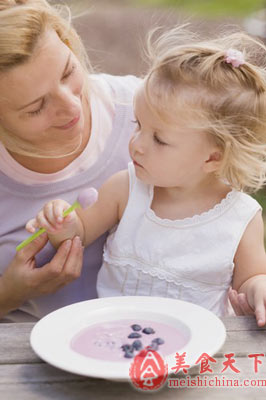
167,155
41,100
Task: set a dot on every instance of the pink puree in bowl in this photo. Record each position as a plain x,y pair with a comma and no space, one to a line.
103,341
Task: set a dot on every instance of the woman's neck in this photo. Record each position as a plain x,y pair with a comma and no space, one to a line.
52,165
44,165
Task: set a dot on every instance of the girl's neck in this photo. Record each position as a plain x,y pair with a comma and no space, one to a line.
178,203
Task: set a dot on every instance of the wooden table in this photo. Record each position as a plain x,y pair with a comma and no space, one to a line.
23,376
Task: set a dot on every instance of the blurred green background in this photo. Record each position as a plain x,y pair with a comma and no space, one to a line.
210,7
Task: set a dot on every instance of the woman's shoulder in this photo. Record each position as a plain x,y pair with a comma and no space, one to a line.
118,87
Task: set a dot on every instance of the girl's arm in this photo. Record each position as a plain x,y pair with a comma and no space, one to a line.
90,223
108,209
250,268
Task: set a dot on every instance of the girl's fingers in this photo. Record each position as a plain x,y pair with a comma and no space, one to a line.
234,302
260,315
48,212
58,210
246,309
259,309
32,225
43,222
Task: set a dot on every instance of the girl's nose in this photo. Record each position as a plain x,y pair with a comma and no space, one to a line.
138,143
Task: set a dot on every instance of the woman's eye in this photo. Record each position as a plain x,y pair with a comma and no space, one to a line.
158,141
36,112
70,72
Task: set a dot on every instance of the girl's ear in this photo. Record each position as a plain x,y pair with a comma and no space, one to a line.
213,162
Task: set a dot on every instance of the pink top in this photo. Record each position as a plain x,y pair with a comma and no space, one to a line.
102,113
20,201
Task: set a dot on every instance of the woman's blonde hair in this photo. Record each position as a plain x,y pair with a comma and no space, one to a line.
189,80
22,23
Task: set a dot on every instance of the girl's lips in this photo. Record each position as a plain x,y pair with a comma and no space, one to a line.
70,124
137,164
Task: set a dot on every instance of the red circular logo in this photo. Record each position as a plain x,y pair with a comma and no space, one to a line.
148,371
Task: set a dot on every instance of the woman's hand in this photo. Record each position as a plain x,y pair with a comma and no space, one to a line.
22,281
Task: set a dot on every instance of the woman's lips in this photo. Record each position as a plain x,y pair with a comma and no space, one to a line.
69,124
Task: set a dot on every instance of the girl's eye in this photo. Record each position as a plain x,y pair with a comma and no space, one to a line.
135,121
158,141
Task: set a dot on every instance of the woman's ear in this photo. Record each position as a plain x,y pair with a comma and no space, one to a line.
213,162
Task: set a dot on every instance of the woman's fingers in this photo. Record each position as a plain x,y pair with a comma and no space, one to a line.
65,266
55,267
73,265
30,251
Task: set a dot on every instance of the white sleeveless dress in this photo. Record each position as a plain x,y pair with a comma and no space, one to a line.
190,259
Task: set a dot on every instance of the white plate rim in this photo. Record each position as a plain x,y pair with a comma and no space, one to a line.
55,350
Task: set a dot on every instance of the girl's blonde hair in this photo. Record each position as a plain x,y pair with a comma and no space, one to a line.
22,23
190,81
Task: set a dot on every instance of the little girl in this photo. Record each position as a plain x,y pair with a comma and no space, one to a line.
182,225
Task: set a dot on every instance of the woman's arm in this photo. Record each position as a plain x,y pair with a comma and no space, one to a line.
250,268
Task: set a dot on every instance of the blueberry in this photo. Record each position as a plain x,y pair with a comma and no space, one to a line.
153,346
137,345
158,340
148,331
128,354
126,347
136,327
134,335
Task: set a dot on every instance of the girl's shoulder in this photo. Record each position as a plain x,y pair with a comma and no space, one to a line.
248,201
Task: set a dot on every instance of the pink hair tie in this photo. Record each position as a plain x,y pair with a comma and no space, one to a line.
234,57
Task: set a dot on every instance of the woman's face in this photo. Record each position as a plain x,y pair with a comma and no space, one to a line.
41,100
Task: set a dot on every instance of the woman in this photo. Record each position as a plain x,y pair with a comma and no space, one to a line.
61,129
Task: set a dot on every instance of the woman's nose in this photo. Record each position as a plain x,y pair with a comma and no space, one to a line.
68,104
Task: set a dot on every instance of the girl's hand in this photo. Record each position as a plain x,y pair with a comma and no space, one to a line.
51,218
59,228
239,303
255,291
